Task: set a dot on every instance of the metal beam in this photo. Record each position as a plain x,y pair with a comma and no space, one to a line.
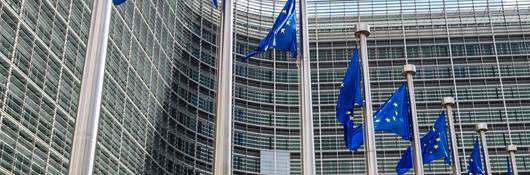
481,130
363,31
89,106
223,130
408,71
306,105
447,103
511,149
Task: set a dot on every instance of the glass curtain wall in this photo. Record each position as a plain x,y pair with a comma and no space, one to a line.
158,102
41,62
475,51
158,108
159,95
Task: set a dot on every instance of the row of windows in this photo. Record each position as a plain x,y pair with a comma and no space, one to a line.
488,92
39,83
428,72
159,91
257,141
390,72
425,51
266,74
266,118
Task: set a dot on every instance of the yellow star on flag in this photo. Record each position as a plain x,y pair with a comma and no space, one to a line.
282,30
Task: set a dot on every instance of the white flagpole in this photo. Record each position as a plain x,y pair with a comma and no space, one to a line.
511,149
408,71
448,102
481,130
89,106
363,31
223,130
306,106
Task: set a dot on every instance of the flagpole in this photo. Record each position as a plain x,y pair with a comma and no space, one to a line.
306,109
408,71
89,106
481,129
511,149
223,131
447,103
363,31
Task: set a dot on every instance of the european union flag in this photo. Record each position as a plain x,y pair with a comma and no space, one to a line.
474,166
283,33
350,90
353,136
405,163
434,143
509,171
118,2
215,3
434,146
393,115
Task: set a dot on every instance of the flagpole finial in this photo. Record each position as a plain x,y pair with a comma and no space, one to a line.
362,28
511,148
409,68
448,101
481,127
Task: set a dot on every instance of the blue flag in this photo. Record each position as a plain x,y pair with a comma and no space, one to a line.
283,33
474,166
353,136
215,3
118,2
350,90
508,167
393,115
405,163
434,146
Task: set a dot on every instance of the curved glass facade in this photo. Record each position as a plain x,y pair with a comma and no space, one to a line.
158,107
158,100
159,93
476,51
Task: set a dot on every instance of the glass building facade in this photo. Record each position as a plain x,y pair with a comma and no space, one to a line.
158,105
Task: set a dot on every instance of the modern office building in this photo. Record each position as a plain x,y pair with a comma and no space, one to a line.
158,106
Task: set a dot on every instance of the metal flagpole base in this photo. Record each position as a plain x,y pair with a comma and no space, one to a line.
408,71
481,128
363,31
511,149
362,28
409,68
447,103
